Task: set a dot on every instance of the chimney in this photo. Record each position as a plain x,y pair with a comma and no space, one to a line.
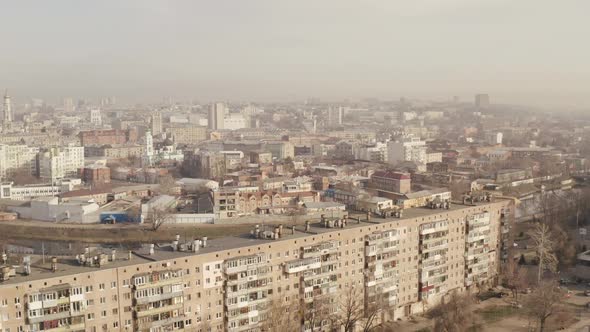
86,250
204,240
113,255
293,230
307,226
27,263
53,264
195,245
152,248
280,230
4,258
129,255
368,216
276,233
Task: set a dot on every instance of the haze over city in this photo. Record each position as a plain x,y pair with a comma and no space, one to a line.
523,52
294,166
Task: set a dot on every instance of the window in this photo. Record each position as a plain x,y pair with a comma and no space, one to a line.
101,286
90,316
17,300
113,284
103,313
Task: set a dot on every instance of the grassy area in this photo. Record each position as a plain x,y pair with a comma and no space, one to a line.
496,313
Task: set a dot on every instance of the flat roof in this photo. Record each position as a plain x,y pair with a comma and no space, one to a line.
69,266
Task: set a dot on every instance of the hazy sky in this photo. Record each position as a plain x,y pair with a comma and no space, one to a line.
519,51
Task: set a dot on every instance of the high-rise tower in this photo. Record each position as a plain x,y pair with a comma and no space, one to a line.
216,116
7,110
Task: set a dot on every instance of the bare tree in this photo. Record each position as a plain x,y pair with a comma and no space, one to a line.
285,316
167,185
157,217
22,176
544,249
515,277
544,302
318,312
351,309
455,315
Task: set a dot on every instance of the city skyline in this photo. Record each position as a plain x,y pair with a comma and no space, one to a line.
266,51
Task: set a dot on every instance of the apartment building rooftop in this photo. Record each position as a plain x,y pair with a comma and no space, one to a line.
70,265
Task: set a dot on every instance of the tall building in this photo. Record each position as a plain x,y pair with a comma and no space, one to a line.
402,265
335,116
7,120
69,105
62,162
95,117
407,149
157,123
16,158
482,100
217,116
148,155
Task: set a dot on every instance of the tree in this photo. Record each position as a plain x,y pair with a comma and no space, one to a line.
455,315
543,245
318,312
167,185
157,217
284,316
351,309
544,302
515,277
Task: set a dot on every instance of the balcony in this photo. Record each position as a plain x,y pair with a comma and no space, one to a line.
303,265
159,297
69,328
320,249
159,310
434,228
55,316
161,282
167,321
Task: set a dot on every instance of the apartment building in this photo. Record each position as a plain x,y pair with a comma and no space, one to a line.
17,157
59,163
405,265
188,134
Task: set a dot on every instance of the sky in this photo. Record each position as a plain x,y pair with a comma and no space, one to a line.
534,52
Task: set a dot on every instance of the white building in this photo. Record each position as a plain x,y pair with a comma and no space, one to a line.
148,155
17,157
335,116
406,149
59,163
157,123
494,138
7,120
9,191
217,116
95,117
375,153
235,121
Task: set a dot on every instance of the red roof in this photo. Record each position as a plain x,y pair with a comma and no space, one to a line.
392,175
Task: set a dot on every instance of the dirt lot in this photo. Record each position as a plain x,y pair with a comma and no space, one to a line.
121,233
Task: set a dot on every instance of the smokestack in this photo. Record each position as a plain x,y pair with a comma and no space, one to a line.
293,230
152,246
175,245
307,225
195,245
368,216
280,230
129,255
53,264
204,240
276,233
113,255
